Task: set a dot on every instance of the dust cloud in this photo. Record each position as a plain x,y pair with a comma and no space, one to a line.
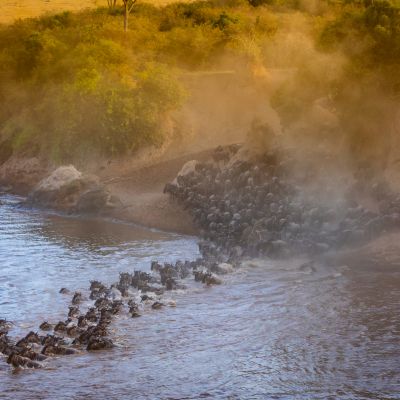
292,90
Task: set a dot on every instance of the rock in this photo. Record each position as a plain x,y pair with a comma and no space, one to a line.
67,189
59,190
96,200
62,177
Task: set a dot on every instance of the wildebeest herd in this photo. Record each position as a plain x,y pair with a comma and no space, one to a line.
253,207
244,207
87,327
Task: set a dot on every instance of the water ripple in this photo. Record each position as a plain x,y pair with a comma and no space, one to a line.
273,330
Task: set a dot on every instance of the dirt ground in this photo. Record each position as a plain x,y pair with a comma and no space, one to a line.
140,188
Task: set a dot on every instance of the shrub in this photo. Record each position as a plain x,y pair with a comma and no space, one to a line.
75,83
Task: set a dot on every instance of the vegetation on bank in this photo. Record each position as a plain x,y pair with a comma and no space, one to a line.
77,83
74,84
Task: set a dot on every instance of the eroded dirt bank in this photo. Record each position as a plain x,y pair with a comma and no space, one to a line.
140,189
138,186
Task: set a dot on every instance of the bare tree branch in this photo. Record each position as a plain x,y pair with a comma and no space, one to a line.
132,3
112,3
128,7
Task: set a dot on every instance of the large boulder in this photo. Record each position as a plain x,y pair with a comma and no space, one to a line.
61,178
67,189
61,189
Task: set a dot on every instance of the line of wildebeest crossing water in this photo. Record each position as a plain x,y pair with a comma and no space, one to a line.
245,207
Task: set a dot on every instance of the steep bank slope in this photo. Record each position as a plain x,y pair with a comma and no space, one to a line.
140,188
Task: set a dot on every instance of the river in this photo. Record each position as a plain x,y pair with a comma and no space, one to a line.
274,330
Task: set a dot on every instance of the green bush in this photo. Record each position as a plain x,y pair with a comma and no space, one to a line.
75,83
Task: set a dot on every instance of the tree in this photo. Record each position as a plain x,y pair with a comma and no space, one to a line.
112,3
128,7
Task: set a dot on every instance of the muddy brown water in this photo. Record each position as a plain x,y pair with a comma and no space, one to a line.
273,330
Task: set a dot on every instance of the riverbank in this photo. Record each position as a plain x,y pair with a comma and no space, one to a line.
245,202
139,186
